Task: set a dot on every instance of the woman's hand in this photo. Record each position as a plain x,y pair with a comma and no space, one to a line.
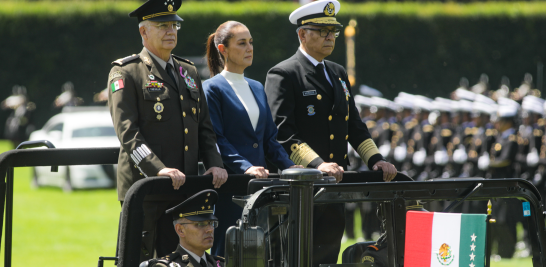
258,171
295,166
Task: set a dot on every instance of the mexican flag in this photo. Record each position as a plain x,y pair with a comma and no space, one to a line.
445,239
117,85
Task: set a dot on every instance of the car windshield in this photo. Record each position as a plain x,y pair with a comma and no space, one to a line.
94,132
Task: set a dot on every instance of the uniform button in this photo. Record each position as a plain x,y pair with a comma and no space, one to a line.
140,173
347,98
331,156
346,137
193,110
184,114
158,99
345,156
255,145
186,148
331,137
319,97
346,118
330,117
198,99
186,130
135,166
181,98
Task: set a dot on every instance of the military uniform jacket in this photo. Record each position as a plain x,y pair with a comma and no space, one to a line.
503,154
315,120
181,258
159,123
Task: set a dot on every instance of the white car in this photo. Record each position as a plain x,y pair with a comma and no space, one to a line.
78,127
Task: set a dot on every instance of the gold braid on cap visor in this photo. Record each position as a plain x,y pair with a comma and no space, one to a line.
322,20
302,154
158,15
195,213
367,149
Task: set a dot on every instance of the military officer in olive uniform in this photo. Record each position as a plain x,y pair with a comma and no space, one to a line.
194,222
161,119
311,102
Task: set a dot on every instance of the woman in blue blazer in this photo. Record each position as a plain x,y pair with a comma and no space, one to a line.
240,115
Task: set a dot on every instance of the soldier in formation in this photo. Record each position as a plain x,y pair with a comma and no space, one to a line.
475,133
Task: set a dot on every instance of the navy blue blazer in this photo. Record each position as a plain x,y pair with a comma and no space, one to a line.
240,146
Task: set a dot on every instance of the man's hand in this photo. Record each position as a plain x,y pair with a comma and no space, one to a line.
332,169
177,176
389,171
219,176
258,171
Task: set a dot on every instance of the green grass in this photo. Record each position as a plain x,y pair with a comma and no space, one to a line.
52,228
206,8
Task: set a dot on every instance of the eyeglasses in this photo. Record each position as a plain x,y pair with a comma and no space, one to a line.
204,224
163,26
325,32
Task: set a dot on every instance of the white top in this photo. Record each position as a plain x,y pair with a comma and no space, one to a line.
243,91
315,63
195,257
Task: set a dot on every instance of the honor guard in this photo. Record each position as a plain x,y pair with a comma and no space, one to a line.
422,136
403,134
312,104
194,223
503,154
532,107
442,136
161,119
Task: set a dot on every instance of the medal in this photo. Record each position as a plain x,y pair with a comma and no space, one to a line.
158,108
151,77
190,82
347,95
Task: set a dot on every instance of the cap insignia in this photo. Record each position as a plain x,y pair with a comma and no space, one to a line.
208,194
209,207
330,9
203,207
206,200
170,7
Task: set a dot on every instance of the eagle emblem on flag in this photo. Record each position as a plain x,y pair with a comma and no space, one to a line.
444,255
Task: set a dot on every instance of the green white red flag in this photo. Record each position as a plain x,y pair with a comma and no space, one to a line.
445,239
116,85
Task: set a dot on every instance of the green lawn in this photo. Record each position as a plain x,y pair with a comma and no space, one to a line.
52,228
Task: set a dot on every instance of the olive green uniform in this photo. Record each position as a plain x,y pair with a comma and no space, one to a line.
160,127
160,123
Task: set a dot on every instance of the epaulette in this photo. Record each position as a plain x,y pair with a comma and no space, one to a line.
428,128
218,258
183,59
445,133
124,60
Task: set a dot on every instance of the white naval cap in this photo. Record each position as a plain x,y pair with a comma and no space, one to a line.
404,101
320,13
484,108
465,106
503,101
461,93
507,111
368,91
441,104
483,99
362,101
380,102
533,104
421,103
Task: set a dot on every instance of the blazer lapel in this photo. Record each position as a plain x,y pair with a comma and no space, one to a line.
261,107
156,70
229,90
313,77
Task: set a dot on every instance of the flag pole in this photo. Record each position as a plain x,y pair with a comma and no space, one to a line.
488,221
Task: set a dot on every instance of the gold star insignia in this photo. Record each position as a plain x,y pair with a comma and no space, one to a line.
209,207
206,200
203,207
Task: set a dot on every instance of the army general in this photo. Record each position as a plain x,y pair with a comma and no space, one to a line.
312,104
161,119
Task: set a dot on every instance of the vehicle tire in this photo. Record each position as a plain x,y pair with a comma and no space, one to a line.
67,185
34,181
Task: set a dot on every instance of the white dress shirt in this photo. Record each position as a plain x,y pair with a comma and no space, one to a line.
315,63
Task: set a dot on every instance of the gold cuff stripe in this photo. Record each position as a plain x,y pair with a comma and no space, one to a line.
158,14
195,213
367,149
322,20
302,154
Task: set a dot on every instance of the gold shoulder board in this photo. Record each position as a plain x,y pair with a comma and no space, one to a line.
124,60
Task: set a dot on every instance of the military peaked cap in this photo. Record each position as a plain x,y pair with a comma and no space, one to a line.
158,10
198,207
320,13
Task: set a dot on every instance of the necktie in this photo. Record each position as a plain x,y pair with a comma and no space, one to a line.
169,70
320,70
203,263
